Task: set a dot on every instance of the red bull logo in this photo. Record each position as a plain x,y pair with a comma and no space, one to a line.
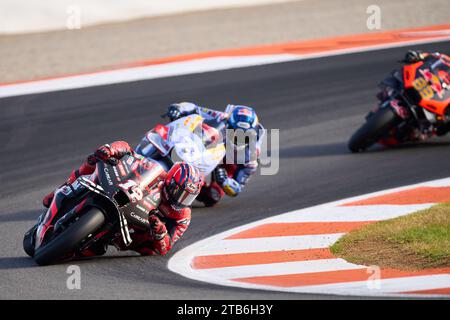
433,81
244,112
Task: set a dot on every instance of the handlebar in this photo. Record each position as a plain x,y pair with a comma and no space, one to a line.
110,161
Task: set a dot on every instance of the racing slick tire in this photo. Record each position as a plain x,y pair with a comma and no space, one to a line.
69,239
28,241
377,125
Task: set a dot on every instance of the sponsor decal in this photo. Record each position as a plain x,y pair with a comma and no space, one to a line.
134,166
433,81
129,161
243,125
76,184
161,131
428,84
121,169
116,173
65,190
244,112
108,176
139,218
141,208
133,190
192,188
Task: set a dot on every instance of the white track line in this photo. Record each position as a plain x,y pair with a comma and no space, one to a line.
233,246
141,73
181,261
274,269
386,286
349,214
182,68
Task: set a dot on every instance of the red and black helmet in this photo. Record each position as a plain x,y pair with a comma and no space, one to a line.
183,184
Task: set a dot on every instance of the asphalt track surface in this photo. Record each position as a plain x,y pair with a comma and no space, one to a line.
316,103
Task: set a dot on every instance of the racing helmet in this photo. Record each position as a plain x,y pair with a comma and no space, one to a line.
245,119
182,185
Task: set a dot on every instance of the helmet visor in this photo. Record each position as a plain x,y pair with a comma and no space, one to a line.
180,198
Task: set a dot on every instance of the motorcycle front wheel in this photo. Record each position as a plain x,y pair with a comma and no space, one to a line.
28,241
377,125
70,238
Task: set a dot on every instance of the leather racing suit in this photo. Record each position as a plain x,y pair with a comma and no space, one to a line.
167,224
238,172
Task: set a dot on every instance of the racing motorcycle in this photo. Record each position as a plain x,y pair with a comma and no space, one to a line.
103,208
96,210
191,139
414,107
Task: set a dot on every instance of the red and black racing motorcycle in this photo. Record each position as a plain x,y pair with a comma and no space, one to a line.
414,106
95,210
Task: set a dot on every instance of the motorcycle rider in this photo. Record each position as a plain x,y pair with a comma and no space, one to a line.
390,86
168,223
227,178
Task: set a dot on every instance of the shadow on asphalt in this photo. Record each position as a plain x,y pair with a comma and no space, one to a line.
29,215
7,263
318,150
16,263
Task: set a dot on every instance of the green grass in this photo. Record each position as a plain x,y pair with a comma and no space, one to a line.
417,241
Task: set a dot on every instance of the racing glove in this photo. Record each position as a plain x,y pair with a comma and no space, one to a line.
111,153
220,175
173,113
158,229
103,153
231,187
91,160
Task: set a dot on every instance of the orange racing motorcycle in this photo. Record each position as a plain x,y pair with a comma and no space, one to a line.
414,105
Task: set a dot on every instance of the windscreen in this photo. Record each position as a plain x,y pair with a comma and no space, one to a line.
196,143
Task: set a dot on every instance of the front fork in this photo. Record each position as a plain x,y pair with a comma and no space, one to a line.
413,127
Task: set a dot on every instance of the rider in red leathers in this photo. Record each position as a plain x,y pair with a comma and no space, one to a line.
168,223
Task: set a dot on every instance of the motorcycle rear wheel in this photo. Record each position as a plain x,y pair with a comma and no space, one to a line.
377,125
70,238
